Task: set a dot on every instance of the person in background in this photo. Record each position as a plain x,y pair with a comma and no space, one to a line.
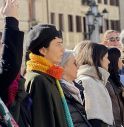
111,39
121,72
115,87
93,73
45,49
122,38
72,90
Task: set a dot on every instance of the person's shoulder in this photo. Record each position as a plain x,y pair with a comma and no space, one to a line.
39,77
85,78
32,75
38,80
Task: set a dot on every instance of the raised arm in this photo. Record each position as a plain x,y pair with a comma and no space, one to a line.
12,51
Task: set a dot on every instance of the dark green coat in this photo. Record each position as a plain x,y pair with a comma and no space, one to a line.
47,109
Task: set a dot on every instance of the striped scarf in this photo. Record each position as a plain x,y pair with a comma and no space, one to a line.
39,63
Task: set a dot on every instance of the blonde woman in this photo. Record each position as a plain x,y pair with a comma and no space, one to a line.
93,73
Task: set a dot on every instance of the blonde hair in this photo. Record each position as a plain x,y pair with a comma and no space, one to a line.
91,54
79,51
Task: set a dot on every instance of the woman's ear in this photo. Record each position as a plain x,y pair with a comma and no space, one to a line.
43,51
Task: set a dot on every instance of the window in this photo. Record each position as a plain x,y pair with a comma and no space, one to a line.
99,1
117,2
118,25
70,23
53,18
78,24
112,25
115,25
85,29
61,25
101,29
111,2
107,24
114,2
105,1
31,10
84,2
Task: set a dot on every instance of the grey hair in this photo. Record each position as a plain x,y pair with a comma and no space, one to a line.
66,56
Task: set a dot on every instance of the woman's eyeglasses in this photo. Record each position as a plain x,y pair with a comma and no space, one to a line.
114,39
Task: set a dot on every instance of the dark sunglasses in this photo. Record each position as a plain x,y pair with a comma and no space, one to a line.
114,39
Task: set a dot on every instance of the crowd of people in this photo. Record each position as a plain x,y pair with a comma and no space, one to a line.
82,87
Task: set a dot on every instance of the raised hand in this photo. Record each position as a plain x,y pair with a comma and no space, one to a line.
10,8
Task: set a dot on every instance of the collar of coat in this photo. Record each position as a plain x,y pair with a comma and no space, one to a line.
91,71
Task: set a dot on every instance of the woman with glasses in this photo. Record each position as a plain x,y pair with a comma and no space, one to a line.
111,39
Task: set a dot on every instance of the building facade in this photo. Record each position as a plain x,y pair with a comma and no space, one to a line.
67,15
122,14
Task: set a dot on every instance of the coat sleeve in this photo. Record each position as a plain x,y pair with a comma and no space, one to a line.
42,109
11,57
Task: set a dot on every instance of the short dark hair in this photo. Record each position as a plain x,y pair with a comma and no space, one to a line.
40,36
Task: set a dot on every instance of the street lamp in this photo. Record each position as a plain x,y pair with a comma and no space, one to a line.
94,21
105,17
105,13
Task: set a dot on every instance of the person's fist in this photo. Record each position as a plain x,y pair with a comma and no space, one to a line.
10,9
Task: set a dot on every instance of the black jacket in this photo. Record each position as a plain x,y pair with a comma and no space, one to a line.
47,108
115,91
76,109
11,58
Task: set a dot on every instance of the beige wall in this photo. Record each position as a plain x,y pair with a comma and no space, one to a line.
23,14
41,10
122,14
